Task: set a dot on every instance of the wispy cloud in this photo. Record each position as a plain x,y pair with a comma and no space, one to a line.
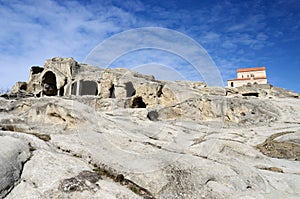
158,39
210,37
38,30
235,34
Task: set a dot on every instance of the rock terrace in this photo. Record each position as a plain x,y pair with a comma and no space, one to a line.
78,131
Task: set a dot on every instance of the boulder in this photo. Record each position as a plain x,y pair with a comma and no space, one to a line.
13,155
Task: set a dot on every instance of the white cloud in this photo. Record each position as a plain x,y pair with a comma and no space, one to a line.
162,64
39,30
261,37
237,27
210,37
233,33
160,71
229,45
162,39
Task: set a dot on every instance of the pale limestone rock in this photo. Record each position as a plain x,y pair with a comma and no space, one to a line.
18,87
46,171
168,96
178,158
293,137
13,154
168,139
231,110
148,92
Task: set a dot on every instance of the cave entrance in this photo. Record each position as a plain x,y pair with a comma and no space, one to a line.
23,87
49,84
61,91
36,70
138,102
112,91
251,94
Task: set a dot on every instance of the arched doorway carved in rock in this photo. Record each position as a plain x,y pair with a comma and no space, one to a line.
49,84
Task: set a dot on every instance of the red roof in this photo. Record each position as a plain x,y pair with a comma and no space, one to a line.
250,69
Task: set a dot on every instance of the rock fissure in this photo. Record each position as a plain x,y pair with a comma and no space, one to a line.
276,149
145,138
119,178
10,187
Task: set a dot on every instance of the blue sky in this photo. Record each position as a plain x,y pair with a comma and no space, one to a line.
235,34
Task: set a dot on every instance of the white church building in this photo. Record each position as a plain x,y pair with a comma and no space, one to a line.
249,76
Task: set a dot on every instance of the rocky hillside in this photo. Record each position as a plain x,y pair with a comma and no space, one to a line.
164,140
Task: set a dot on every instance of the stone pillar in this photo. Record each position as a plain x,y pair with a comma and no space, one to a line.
78,87
68,89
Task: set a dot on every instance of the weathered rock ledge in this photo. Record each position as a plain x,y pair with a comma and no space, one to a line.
114,133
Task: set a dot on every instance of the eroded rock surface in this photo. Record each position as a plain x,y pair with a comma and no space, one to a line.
13,154
143,138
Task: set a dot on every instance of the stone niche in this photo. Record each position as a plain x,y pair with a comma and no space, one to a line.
89,88
49,84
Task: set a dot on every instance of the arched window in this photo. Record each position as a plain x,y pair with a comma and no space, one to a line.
231,84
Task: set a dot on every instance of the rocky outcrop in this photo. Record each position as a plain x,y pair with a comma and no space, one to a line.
14,153
137,137
261,90
227,110
177,158
66,77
